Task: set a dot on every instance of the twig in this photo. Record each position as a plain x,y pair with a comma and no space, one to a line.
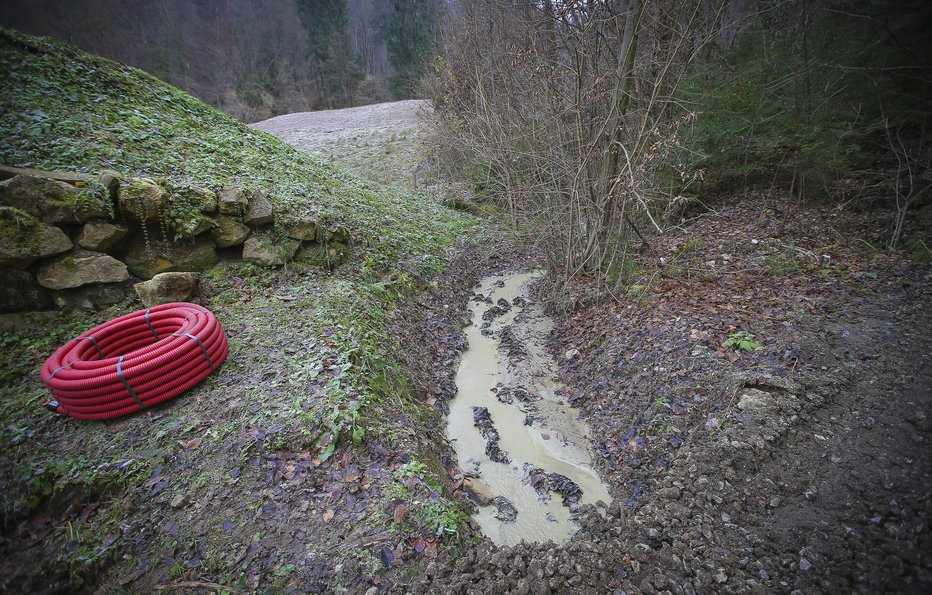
377,538
195,585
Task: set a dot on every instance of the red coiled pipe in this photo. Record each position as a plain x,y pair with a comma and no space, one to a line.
135,361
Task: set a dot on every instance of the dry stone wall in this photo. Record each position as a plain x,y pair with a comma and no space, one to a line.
77,240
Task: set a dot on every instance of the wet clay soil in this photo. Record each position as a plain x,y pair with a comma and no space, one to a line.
527,453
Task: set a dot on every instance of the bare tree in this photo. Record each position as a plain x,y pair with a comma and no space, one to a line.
563,112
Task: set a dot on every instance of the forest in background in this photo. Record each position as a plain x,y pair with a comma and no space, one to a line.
588,123
595,124
253,59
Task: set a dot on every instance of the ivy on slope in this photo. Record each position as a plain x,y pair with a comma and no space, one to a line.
63,109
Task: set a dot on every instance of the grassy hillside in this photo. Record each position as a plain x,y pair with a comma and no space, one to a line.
67,110
312,371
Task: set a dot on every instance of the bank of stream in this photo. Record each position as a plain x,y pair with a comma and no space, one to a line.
525,452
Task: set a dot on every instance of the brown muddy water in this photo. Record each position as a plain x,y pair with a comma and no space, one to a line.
526,450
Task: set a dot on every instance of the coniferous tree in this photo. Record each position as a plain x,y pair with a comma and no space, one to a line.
410,33
339,70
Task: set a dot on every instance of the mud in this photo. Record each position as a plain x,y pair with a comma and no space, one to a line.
507,423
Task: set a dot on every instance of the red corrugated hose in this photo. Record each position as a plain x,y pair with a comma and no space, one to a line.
135,361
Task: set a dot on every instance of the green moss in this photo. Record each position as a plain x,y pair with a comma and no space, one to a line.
88,198
312,350
19,229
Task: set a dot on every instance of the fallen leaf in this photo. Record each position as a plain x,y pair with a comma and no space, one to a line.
387,556
132,576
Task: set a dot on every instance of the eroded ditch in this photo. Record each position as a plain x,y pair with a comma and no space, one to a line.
525,452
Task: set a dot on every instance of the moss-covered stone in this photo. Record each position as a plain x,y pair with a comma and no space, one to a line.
82,268
24,239
334,234
259,211
53,201
100,236
305,230
110,179
228,232
91,297
266,250
198,254
207,200
141,200
325,256
233,202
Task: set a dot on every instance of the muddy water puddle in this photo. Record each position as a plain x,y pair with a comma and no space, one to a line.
525,452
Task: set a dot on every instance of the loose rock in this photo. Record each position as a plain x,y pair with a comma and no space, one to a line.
167,287
505,511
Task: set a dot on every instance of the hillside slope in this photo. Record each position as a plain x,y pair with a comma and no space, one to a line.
67,110
225,482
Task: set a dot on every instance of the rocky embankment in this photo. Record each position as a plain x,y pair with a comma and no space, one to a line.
80,240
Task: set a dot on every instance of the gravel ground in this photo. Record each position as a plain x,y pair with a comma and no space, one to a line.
809,477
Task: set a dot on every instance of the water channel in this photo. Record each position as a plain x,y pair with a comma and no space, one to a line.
526,452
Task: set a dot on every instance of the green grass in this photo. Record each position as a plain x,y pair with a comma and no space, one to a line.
312,364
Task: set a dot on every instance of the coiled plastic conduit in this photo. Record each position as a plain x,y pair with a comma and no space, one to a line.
135,361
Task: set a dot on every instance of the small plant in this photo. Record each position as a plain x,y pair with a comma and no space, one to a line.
417,469
443,518
780,264
742,340
690,245
411,469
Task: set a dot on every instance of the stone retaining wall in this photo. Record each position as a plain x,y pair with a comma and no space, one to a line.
77,240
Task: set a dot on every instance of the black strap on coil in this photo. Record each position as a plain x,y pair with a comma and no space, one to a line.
96,346
149,324
126,384
201,345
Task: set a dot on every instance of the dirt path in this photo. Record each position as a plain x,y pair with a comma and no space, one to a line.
803,466
844,503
